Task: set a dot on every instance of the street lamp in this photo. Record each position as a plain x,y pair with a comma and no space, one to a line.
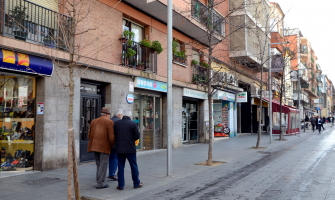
270,93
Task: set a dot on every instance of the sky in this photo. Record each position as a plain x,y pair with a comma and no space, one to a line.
316,21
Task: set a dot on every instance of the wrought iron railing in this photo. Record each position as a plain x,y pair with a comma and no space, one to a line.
200,75
27,21
202,13
139,56
180,60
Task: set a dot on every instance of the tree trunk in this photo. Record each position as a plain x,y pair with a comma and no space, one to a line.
70,141
260,111
209,92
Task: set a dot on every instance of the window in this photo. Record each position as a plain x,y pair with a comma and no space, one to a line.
135,28
219,23
196,55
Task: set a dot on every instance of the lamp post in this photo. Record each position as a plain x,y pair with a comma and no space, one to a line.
270,93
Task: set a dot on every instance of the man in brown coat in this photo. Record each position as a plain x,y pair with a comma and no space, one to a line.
101,136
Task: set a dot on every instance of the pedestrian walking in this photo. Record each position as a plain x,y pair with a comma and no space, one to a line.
313,122
113,156
101,140
333,120
323,121
126,133
319,121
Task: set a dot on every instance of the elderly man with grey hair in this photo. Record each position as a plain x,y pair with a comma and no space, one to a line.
113,156
126,133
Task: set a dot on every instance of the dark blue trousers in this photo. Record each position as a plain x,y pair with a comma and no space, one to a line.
133,166
112,163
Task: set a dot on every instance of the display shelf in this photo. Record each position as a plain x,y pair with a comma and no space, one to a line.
17,142
18,119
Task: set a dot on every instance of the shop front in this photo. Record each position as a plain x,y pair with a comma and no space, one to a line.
18,108
190,114
265,120
147,112
224,114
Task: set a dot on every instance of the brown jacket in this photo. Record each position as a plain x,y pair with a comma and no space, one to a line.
101,135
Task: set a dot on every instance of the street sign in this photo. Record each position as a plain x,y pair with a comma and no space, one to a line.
318,108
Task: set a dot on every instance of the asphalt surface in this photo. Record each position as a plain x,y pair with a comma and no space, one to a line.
302,167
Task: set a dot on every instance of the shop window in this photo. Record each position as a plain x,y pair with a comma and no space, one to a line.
135,28
17,120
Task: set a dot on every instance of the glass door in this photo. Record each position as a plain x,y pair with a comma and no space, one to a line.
89,110
190,121
148,122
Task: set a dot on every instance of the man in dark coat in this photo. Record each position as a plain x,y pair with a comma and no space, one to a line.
313,122
126,133
101,140
323,121
113,156
319,121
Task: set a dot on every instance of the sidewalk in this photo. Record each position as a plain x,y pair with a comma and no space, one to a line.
152,166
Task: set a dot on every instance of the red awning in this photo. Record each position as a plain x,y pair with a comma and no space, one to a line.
285,108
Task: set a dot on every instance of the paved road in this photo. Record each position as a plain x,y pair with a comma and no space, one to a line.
300,168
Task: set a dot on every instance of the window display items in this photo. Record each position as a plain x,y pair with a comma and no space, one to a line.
17,122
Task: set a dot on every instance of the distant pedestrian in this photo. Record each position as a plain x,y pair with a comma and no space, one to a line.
323,121
126,133
333,120
313,122
319,121
101,141
113,156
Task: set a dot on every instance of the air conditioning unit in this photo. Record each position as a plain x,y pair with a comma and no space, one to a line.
255,91
231,80
235,83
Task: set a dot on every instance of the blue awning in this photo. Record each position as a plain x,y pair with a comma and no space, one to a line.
19,62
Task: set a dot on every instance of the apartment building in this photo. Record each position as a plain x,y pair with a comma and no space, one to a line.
111,72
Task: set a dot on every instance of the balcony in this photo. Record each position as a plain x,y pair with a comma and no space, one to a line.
312,60
35,24
200,75
183,19
139,57
244,43
180,60
304,53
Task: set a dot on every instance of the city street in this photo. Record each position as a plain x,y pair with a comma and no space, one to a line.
300,168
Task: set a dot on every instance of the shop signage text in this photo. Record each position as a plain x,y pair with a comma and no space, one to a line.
318,108
242,97
40,108
226,96
130,98
195,94
150,84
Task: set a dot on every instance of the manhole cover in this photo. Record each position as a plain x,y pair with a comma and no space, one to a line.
44,181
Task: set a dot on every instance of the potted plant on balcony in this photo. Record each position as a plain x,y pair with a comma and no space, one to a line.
146,43
127,37
204,64
156,45
19,20
194,63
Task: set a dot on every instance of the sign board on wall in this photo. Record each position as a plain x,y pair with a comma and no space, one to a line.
194,94
131,86
242,97
150,84
130,98
40,108
226,96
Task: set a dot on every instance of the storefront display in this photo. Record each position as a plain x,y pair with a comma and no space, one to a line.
190,121
17,120
224,114
147,115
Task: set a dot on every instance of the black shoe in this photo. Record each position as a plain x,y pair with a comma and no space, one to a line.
112,177
104,186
